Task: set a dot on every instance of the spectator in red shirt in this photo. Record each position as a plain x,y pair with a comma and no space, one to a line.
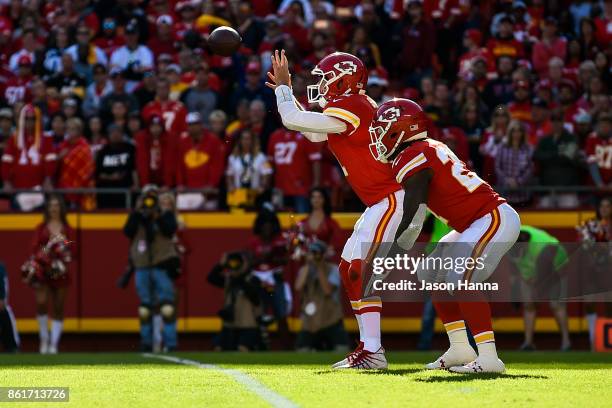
603,25
156,152
296,167
19,88
472,41
417,46
293,26
520,108
29,159
172,112
163,40
599,152
549,46
201,162
76,165
505,43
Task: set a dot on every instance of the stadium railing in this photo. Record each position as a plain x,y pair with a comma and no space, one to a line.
130,194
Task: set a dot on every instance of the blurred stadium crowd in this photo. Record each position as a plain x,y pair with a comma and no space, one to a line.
121,94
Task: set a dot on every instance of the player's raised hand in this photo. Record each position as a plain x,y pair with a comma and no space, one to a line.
280,70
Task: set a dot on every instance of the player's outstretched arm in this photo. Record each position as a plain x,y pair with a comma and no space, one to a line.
315,125
416,188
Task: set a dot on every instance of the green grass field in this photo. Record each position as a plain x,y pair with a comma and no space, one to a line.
133,380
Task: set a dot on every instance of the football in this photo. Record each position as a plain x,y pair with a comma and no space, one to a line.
224,41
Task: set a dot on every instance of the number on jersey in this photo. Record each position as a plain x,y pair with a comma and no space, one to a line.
283,152
466,178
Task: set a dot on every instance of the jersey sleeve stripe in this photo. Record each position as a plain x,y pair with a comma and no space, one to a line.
343,114
412,164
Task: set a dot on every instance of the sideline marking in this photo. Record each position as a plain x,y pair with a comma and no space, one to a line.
276,400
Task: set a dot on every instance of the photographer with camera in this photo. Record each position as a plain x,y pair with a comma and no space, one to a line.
241,306
318,282
153,253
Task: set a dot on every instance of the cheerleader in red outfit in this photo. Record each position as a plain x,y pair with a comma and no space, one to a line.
47,271
319,224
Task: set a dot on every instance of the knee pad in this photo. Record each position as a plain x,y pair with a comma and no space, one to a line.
167,312
144,312
352,278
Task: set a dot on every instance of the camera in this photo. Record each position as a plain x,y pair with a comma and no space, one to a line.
149,202
234,261
317,250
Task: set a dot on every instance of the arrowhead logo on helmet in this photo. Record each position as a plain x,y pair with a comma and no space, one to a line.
397,121
390,115
341,74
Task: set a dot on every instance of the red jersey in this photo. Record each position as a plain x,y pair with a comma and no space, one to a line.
599,151
456,195
370,179
292,155
173,113
29,165
156,158
18,89
201,163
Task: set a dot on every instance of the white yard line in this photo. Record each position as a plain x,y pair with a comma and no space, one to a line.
273,398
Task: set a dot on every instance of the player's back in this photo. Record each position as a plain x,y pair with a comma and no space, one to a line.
456,195
371,180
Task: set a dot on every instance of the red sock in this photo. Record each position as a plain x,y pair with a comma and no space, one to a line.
448,311
352,278
477,315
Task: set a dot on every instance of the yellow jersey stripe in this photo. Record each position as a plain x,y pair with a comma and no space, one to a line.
417,161
343,114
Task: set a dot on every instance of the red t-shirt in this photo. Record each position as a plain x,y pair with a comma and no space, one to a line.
173,114
292,155
520,111
200,164
510,47
599,151
456,195
370,179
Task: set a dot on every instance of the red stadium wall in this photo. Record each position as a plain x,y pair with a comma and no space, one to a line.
95,303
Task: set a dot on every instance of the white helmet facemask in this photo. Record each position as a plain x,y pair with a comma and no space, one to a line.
377,148
316,93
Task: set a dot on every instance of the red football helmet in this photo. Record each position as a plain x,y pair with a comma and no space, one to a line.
341,74
396,121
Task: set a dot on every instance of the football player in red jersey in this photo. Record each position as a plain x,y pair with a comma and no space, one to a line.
347,112
484,226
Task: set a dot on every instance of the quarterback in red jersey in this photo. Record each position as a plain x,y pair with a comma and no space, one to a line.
484,226
347,112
